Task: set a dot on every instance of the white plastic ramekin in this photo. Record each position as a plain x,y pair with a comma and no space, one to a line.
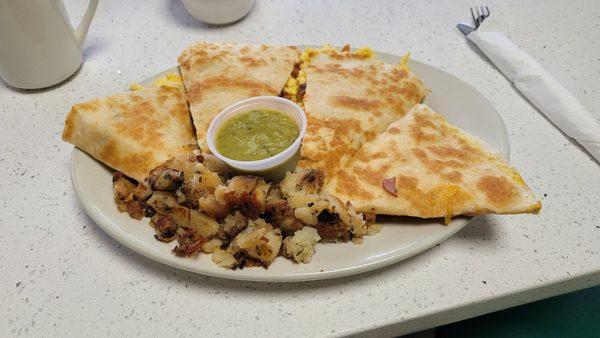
274,167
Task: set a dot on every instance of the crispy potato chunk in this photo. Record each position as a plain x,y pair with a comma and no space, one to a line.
200,192
374,228
163,201
333,219
184,164
143,191
306,181
204,225
224,259
232,225
165,227
302,186
245,193
211,245
122,189
215,165
190,242
125,194
301,246
279,213
166,179
259,241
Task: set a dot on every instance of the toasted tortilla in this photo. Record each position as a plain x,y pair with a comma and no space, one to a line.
424,167
133,132
218,75
351,97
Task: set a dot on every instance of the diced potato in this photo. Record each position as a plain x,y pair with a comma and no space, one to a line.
211,245
205,179
185,164
260,194
358,226
245,193
232,225
213,208
302,187
306,215
373,228
122,188
301,246
162,201
165,227
224,259
204,225
143,191
166,179
214,164
259,241
307,181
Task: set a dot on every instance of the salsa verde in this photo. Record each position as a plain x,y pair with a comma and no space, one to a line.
256,135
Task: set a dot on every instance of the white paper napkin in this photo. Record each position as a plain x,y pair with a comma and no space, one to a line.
539,86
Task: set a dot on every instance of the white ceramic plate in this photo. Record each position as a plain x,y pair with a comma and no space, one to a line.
399,239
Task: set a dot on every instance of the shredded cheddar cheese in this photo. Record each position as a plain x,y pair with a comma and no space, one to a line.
135,86
404,61
365,51
170,80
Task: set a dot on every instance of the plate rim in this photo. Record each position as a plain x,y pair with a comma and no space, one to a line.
131,242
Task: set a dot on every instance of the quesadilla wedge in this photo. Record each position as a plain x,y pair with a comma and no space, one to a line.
349,97
217,75
424,167
133,132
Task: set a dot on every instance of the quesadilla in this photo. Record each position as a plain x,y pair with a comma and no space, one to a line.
218,75
133,132
348,97
422,166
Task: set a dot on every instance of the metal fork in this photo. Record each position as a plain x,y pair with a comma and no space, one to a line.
479,14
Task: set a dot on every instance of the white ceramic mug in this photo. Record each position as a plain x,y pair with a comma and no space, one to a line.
218,12
38,46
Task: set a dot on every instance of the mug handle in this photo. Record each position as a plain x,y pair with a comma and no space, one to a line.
83,27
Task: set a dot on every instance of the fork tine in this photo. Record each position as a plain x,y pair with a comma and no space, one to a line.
479,14
474,18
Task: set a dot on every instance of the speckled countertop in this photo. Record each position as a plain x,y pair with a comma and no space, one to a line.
62,275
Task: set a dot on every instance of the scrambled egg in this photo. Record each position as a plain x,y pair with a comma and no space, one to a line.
291,87
294,83
169,80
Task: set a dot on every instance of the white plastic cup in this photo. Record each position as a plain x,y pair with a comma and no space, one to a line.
274,167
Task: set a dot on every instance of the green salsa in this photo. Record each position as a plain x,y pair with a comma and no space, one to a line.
256,135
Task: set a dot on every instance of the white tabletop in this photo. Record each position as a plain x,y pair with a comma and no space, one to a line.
62,275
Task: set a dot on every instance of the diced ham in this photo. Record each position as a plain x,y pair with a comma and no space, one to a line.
389,185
